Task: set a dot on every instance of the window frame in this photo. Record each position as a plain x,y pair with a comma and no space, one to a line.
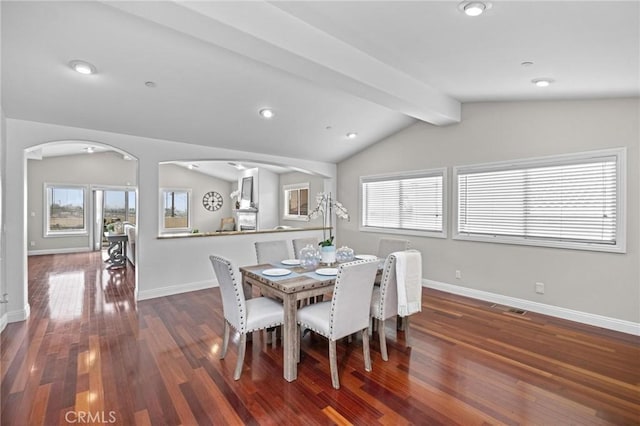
285,191
48,233
440,171
554,160
189,227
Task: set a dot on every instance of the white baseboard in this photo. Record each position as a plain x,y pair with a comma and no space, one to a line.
58,251
175,289
541,308
3,322
14,316
19,315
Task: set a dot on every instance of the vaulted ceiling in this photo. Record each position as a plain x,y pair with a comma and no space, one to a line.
326,68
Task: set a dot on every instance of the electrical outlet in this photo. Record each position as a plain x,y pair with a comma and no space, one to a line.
540,288
32,243
458,274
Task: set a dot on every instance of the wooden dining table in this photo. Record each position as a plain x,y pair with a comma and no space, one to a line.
298,285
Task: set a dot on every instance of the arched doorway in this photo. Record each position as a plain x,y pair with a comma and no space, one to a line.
74,190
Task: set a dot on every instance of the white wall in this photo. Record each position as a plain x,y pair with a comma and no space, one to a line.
596,283
103,169
267,199
163,265
177,177
175,255
3,126
3,280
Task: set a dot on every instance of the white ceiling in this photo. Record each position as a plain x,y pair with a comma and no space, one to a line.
230,171
326,68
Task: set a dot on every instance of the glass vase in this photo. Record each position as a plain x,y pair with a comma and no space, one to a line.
309,257
344,254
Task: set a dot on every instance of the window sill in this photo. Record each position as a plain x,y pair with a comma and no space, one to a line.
618,248
428,234
66,234
296,218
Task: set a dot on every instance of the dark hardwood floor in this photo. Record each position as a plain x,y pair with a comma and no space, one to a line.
90,354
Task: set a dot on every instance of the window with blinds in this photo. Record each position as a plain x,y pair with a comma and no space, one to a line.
408,203
565,201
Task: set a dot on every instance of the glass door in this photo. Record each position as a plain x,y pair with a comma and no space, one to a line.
119,206
112,205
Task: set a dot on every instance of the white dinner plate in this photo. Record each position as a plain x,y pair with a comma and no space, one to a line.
276,272
366,256
327,271
291,262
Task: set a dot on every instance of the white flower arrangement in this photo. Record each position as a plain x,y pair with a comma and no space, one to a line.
324,208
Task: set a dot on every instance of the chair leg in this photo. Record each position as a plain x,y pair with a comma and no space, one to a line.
333,364
274,337
383,340
407,335
225,340
242,346
366,352
265,337
400,323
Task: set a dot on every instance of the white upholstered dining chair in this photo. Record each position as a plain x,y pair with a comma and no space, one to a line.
245,316
272,251
346,313
300,243
386,246
384,303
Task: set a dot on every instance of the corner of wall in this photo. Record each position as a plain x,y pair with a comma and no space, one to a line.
19,315
3,322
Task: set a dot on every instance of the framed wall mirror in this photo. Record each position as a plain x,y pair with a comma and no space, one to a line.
246,195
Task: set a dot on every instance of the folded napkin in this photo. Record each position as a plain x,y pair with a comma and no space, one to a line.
409,281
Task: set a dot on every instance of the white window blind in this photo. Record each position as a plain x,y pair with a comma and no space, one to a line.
574,201
408,202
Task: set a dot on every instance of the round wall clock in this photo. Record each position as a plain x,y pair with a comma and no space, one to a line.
212,201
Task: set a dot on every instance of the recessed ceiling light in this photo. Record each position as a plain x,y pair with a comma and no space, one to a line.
192,166
266,113
542,82
126,157
526,63
474,8
82,67
150,84
90,150
238,166
352,135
